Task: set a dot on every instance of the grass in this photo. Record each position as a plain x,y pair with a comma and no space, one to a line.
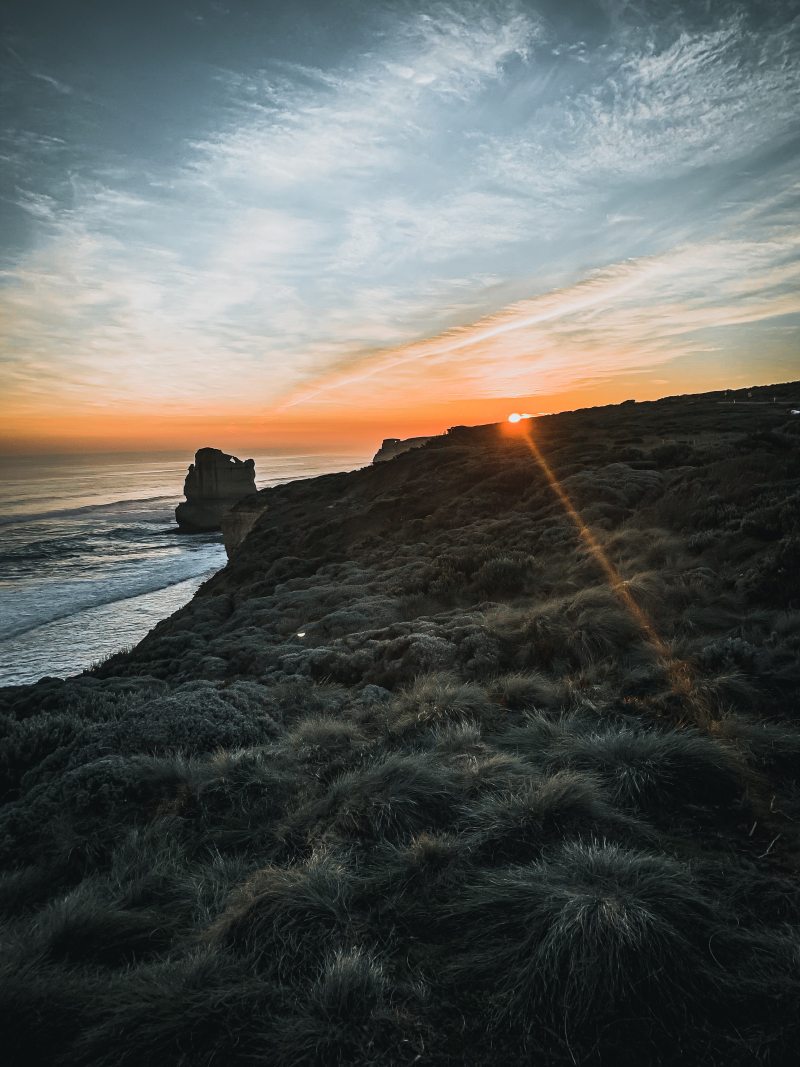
590,933
479,814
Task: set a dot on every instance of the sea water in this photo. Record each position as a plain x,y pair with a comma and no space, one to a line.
90,554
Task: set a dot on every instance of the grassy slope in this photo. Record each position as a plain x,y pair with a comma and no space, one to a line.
476,814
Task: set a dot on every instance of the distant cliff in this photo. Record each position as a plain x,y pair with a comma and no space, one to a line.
214,483
395,446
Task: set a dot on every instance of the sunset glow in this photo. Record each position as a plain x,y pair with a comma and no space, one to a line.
400,220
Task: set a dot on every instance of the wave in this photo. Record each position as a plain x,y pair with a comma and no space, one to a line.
85,509
52,600
49,557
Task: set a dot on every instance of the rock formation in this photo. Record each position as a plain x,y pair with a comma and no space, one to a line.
394,446
215,482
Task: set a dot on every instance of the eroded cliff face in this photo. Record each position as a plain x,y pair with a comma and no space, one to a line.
214,483
239,521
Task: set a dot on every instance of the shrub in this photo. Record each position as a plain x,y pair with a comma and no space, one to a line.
27,744
674,454
775,577
196,718
504,576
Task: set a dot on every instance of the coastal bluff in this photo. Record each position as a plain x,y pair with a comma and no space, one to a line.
239,519
488,755
214,483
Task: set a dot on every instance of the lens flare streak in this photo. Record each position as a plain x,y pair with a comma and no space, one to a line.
678,671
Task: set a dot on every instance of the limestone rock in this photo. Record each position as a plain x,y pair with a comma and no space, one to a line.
395,446
215,482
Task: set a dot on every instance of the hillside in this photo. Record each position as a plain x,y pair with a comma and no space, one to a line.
487,754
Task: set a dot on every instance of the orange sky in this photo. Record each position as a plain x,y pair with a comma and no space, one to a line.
329,430
453,214
640,328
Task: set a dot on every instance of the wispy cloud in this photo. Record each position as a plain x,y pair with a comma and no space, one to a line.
473,195
635,314
705,98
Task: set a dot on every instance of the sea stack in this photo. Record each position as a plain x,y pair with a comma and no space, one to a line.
215,482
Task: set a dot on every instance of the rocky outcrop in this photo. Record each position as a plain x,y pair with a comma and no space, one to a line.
215,482
395,446
240,520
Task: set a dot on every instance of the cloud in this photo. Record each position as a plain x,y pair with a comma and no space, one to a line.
649,110
54,83
632,315
290,123
470,206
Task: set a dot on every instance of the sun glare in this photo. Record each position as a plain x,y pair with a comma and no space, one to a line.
514,417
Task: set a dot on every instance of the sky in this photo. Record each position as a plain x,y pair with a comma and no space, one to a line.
312,223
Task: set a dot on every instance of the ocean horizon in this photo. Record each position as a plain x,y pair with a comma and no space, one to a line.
90,554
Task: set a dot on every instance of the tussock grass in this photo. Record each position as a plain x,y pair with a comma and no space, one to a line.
44,1008
352,1015
78,929
387,799
515,827
591,932
438,699
200,1009
526,690
285,917
653,771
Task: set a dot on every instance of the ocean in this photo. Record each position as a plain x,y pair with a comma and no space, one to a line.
90,556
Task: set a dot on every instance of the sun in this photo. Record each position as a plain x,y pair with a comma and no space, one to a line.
515,417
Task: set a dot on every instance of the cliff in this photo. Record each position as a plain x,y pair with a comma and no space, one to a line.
239,520
394,446
214,483
486,756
